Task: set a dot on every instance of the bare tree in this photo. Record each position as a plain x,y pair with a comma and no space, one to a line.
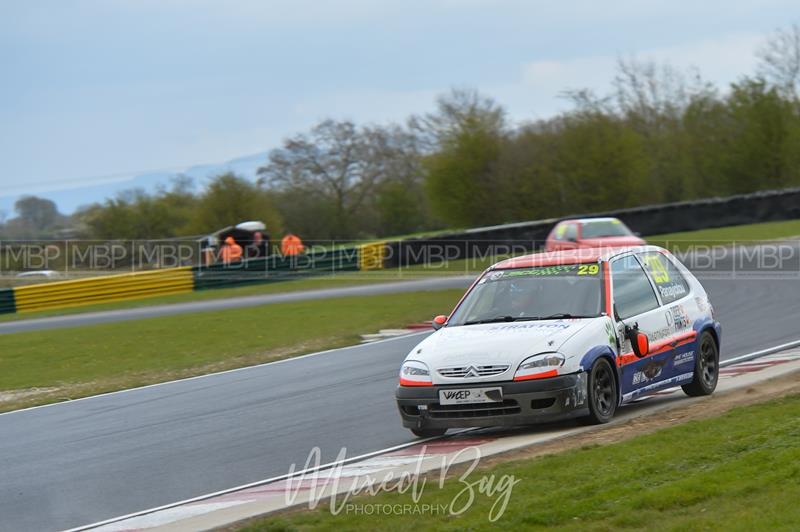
457,111
780,59
341,163
649,89
587,101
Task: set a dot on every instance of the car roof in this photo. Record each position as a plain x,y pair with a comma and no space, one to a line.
36,272
570,256
589,220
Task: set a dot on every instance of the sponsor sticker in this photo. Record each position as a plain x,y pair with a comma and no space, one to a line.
672,291
663,332
657,268
683,358
524,326
650,371
551,271
470,395
679,316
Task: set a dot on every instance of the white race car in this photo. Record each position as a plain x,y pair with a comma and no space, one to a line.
565,334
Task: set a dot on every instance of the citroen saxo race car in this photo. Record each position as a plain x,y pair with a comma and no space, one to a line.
565,334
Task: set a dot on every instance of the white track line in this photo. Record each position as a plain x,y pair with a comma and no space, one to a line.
759,354
207,375
322,467
730,362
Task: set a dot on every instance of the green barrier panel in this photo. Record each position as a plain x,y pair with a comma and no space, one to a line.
7,301
274,269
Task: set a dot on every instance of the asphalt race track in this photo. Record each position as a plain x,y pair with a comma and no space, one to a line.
75,463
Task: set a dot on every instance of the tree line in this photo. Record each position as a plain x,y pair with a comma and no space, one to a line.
659,135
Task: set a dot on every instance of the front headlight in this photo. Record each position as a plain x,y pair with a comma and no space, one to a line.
540,366
415,373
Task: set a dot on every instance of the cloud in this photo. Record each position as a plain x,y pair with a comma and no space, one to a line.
538,91
94,87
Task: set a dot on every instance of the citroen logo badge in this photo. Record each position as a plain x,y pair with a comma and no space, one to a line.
472,371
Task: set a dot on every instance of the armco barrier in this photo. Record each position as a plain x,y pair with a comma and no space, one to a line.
7,301
508,239
275,268
764,206
103,289
137,285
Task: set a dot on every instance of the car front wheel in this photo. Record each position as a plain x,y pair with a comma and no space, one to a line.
706,368
602,391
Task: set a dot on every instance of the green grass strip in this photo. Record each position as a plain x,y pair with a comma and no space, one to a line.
99,358
740,471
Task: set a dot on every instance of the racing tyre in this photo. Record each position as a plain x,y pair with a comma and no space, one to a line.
428,433
602,392
706,368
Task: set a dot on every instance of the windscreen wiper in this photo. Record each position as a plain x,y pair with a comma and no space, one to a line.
566,315
502,319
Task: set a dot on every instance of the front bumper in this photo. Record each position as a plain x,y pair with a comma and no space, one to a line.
524,403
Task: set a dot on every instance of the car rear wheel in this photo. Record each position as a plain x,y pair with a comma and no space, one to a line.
602,391
428,433
706,368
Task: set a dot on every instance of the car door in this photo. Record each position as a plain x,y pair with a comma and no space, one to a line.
637,305
680,308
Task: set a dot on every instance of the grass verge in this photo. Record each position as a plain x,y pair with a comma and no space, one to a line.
738,471
53,365
339,280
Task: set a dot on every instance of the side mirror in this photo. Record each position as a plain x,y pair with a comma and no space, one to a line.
439,321
639,341
643,345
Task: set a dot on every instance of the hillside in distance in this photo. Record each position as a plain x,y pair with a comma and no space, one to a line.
69,198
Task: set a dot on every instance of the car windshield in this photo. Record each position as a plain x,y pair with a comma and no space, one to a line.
604,228
547,292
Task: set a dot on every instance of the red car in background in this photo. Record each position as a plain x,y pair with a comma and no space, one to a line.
591,233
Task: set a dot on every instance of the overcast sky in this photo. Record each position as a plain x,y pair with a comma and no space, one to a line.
97,89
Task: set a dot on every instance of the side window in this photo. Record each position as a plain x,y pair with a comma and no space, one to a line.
559,232
633,293
571,232
669,282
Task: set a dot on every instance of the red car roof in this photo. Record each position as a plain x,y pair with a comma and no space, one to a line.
555,258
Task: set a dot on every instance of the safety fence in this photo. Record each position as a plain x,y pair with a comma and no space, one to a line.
372,256
479,242
104,289
136,285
